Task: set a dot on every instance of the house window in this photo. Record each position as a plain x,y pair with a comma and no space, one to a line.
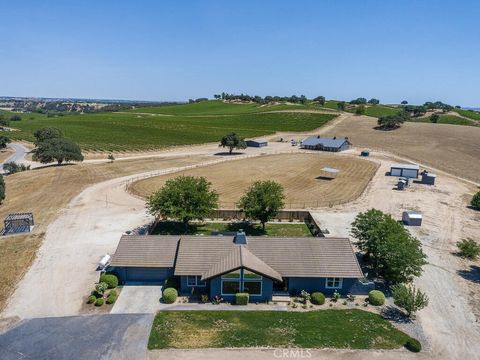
253,287
191,280
333,283
232,275
252,283
195,281
230,287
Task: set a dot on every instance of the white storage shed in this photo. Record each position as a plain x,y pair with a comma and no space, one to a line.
412,218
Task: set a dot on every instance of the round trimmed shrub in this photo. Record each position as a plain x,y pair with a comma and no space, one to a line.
170,295
91,299
112,293
99,302
376,297
317,298
111,298
413,345
110,279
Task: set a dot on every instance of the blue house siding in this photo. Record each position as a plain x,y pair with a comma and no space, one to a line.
297,284
267,290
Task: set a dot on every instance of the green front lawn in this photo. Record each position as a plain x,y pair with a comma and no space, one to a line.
355,329
282,230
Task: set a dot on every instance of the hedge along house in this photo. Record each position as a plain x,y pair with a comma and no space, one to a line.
222,266
325,144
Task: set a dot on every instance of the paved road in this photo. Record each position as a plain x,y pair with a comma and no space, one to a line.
18,156
78,337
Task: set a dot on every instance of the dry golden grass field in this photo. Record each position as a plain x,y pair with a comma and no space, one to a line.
451,148
298,173
45,192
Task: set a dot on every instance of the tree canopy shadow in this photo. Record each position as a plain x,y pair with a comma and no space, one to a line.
473,274
393,314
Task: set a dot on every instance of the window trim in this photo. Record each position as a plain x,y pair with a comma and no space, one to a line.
197,281
340,283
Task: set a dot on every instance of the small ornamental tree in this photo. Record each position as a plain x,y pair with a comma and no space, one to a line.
409,298
184,198
468,248
232,141
57,149
262,201
4,141
475,203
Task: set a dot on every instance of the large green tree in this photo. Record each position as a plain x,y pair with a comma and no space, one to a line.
57,149
232,141
391,251
320,100
47,133
262,201
184,198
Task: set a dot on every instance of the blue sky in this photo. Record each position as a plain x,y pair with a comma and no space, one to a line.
175,50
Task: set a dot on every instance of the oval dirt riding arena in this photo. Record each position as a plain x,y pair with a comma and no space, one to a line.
305,184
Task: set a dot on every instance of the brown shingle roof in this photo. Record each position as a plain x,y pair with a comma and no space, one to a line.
290,257
146,251
241,257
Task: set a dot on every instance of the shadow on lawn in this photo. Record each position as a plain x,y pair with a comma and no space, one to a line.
178,228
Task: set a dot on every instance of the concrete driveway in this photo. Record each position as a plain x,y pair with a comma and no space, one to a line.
138,299
78,337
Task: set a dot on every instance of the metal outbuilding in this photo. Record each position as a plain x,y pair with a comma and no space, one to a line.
257,143
325,144
405,170
18,223
428,178
412,218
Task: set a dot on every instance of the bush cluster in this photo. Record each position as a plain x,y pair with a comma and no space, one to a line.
241,298
475,202
317,298
91,299
170,295
376,297
110,279
468,248
99,302
112,297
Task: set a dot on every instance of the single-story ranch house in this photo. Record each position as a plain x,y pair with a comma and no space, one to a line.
223,266
325,144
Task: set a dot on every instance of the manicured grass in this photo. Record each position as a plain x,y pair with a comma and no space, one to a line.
355,329
447,119
281,230
124,131
474,115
